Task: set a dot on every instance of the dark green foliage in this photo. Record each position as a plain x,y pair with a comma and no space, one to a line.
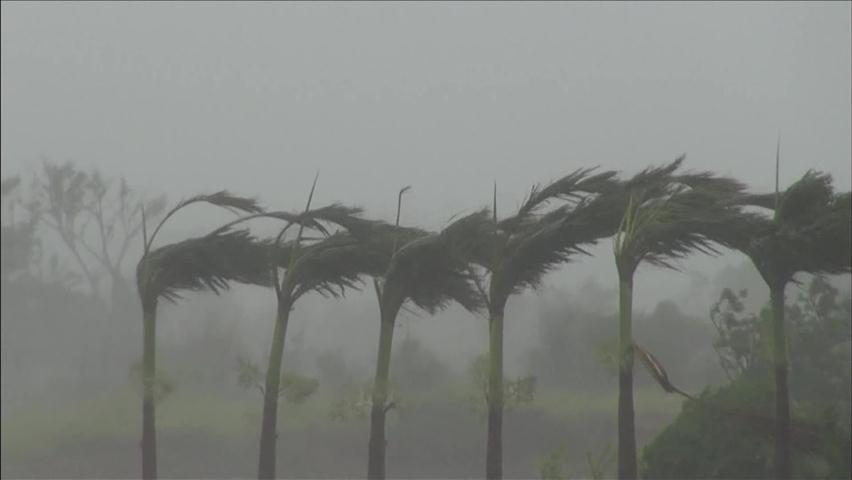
332,265
706,442
520,249
810,231
819,347
668,216
203,263
713,439
433,270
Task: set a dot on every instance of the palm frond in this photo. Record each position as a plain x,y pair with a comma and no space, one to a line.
209,263
221,198
334,264
574,187
569,187
654,177
806,198
553,239
669,216
434,270
226,200
655,368
811,231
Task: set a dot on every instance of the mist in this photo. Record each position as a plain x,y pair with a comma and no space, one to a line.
469,104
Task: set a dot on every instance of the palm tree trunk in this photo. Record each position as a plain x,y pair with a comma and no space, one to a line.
149,368
377,444
494,450
268,434
783,451
626,427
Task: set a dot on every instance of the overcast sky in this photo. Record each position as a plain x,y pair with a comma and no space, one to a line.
189,98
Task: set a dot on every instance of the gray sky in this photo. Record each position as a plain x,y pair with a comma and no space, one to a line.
187,98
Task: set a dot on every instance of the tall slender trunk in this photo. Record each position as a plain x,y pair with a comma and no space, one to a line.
783,451
268,434
626,427
494,450
377,444
149,369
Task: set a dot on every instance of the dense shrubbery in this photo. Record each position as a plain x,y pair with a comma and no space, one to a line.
715,437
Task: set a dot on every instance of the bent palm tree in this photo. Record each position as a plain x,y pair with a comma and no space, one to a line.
327,266
809,232
430,271
517,251
203,263
667,216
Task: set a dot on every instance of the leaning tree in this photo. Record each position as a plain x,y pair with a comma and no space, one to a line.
428,271
327,264
809,232
208,262
518,251
667,215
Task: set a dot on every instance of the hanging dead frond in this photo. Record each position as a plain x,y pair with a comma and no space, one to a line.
655,368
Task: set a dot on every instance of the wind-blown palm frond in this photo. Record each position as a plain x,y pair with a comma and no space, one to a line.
203,263
654,177
669,216
334,264
573,187
337,214
433,271
221,198
809,232
555,239
226,200
569,187
805,198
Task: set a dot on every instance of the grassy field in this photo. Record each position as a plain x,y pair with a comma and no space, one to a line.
438,433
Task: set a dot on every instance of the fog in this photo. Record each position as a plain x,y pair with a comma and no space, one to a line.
450,98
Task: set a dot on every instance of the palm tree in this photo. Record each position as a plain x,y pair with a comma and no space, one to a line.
666,217
808,232
519,250
209,263
328,265
428,270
